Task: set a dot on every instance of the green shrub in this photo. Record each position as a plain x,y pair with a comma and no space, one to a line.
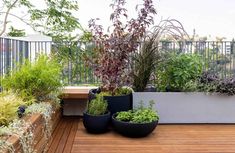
125,116
118,92
9,104
97,106
139,115
38,79
179,71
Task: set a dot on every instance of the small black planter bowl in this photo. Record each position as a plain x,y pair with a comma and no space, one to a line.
134,130
96,124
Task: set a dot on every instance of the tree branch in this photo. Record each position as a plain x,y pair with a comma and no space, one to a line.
6,16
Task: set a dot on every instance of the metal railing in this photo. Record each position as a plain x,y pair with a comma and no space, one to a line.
218,57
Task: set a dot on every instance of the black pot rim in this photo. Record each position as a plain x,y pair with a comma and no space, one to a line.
123,122
119,95
106,114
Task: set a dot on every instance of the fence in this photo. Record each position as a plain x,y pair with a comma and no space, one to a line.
218,56
75,71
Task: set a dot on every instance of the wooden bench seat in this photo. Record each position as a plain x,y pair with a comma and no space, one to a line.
75,100
73,92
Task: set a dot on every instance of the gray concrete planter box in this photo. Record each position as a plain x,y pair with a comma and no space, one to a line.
194,107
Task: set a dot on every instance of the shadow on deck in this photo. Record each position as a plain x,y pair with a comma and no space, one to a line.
71,137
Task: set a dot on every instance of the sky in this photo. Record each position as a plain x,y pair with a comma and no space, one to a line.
208,17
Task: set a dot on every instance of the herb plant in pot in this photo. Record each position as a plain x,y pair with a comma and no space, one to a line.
97,117
111,59
139,122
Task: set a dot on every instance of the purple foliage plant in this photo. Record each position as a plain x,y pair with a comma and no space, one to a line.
114,48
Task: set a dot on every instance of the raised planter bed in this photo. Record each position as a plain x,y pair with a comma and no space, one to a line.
40,142
195,107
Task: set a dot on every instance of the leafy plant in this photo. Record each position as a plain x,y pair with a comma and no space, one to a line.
9,103
38,79
97,106
211,82
46,110
208,82
125,116
15,32
226,86
113,50
145,62
118,92
177,70
139,115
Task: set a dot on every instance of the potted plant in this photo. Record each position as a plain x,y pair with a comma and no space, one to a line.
139,122
97,117
111,58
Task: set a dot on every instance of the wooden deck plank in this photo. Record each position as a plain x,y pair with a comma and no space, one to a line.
65,136
204,138
69,144
58,135
55,132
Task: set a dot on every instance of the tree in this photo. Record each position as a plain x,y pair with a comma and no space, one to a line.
55,20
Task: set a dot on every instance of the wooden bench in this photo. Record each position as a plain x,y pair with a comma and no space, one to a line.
75,100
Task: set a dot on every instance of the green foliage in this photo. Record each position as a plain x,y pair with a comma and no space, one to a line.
144,116
38,79
118,92
97,106
16,32
125,116
139,115
178,70
9,103
56,20
123,91
145,62
46,110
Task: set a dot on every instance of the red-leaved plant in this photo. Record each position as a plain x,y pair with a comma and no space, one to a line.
113,50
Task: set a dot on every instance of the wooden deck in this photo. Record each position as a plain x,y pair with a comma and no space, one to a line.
70,136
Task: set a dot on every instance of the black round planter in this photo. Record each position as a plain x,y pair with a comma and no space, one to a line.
115,103
119,103
133,129
96,124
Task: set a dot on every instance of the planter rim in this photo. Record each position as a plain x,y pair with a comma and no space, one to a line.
123,122
188,92
92,89
119,95
106,114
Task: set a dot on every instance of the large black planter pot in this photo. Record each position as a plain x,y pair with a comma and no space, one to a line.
96,124
133,129
115,103
119,103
